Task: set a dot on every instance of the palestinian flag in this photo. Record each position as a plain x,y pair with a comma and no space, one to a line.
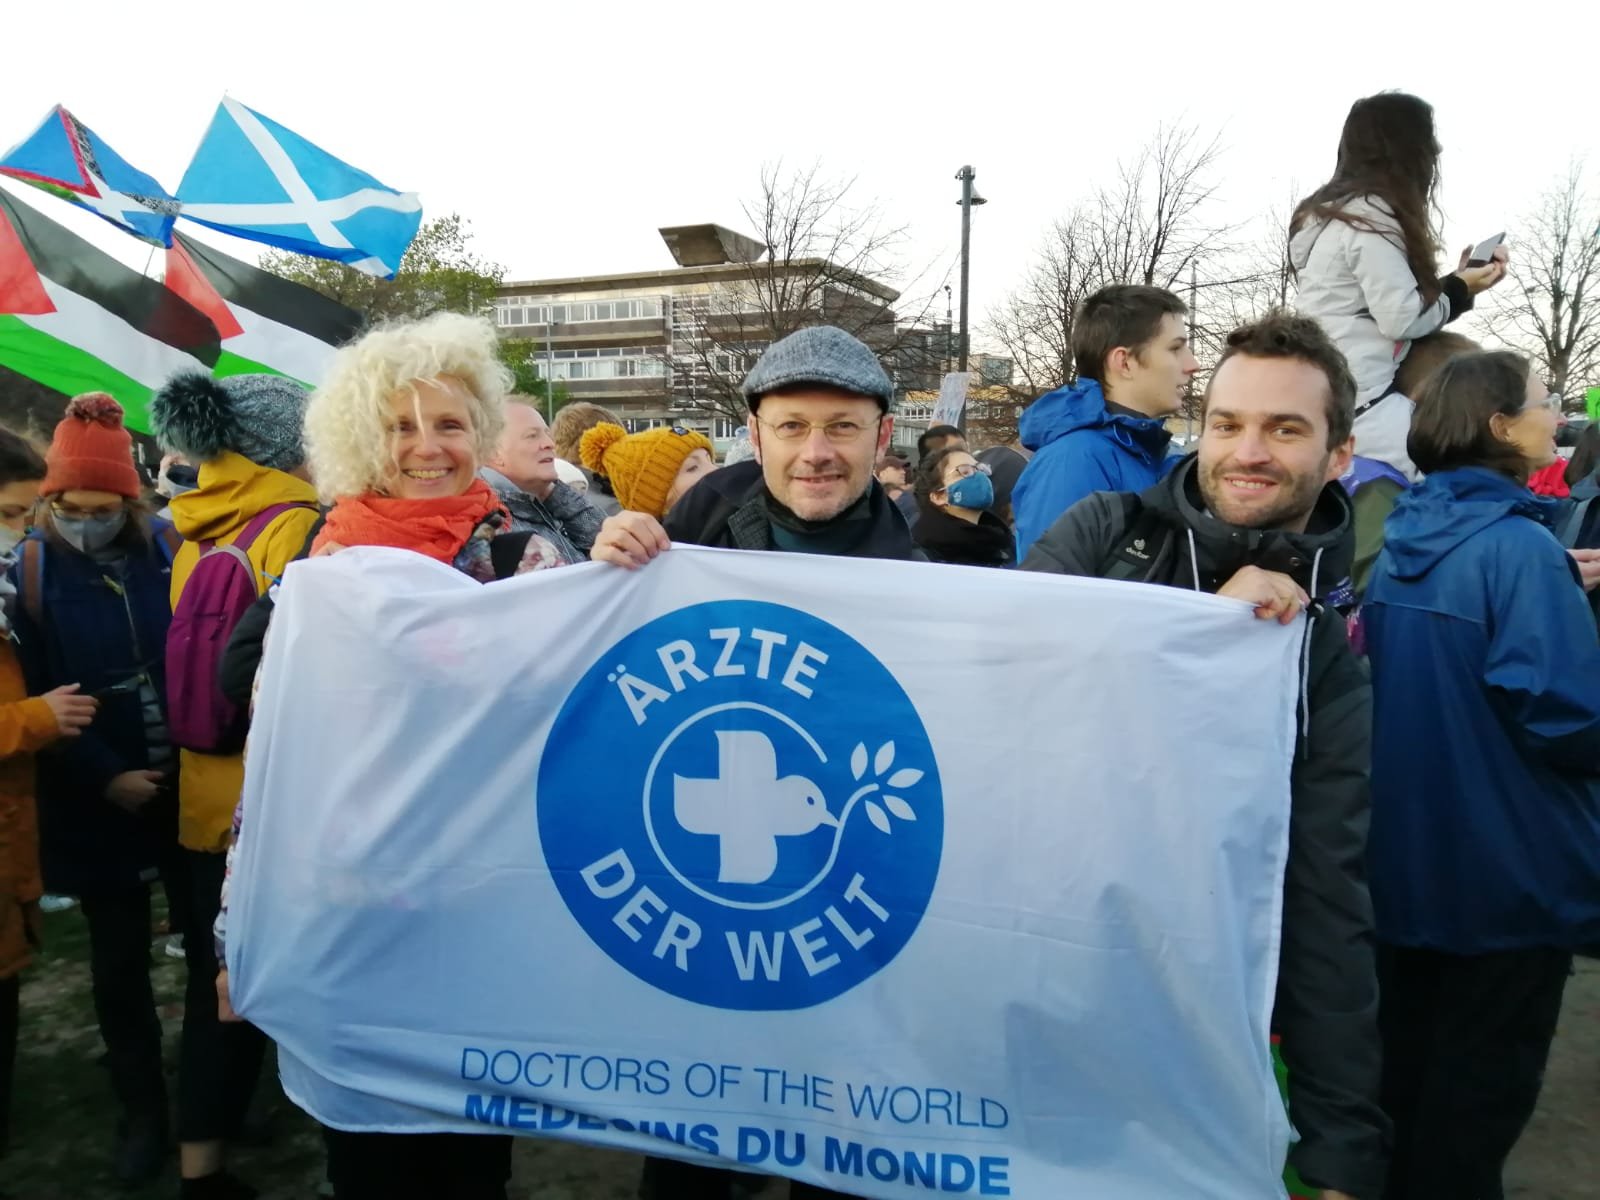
268,324
76,320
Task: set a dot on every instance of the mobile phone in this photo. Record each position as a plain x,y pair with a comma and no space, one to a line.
1484,251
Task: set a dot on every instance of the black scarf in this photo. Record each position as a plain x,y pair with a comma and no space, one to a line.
949,539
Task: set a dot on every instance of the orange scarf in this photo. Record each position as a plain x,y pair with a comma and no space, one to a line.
438,528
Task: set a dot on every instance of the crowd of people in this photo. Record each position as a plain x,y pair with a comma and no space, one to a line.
1356,468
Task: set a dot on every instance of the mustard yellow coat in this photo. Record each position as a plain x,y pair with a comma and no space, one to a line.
232,491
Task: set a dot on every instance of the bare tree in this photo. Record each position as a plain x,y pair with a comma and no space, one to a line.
1261,276
991,417
1550,307
1034,324
828,261
1153,226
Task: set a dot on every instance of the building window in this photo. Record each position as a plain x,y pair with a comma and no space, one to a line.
528,313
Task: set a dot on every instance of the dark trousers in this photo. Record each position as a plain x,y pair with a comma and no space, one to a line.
10,991
1465,1041
667,1179
418,1166
219,1063
124,1004
175,885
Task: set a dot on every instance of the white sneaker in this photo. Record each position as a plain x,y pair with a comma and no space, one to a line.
52,904
174,948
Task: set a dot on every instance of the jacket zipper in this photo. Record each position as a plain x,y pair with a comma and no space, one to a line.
133,628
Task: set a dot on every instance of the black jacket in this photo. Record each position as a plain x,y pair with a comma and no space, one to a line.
1327,998
729,508
947,539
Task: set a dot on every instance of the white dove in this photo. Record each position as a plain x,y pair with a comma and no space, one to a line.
748,807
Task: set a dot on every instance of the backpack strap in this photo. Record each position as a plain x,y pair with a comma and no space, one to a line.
1573,527
169,541
254,528
1139,546
258,523
33,580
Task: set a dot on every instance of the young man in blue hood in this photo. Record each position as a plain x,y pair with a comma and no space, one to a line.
1106,432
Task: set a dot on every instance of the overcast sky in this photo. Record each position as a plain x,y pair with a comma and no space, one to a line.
568,134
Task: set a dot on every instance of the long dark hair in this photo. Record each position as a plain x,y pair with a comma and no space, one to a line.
1388,149
20,460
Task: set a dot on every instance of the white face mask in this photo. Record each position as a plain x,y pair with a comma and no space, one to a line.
10,539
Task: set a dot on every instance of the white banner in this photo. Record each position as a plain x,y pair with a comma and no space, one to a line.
952,399
888,876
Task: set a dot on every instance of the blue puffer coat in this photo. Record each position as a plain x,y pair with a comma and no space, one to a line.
1486,742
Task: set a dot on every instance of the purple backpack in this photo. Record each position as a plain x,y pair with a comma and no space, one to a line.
218,592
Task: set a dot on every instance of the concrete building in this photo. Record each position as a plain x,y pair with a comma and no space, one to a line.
671,345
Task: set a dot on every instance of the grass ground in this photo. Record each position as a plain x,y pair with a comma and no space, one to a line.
63,1111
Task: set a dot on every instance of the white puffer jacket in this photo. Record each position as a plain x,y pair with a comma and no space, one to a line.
1359,287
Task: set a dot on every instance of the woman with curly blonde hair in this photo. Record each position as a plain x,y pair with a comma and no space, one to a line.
395,437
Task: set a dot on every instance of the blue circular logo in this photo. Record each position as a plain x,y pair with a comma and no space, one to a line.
739,805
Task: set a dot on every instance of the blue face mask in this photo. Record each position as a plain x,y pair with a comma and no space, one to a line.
975,492
90,535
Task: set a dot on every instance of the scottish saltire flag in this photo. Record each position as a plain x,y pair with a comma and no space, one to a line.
255,179
758,858
64,157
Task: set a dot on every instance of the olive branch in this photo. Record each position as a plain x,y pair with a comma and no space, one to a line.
884,775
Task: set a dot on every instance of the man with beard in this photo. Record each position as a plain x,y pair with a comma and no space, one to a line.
1258,515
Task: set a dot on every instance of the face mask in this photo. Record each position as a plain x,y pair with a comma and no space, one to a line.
975,492
89,535
176,480
10,539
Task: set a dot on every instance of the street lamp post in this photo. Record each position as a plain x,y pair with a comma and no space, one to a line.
549,362
969,197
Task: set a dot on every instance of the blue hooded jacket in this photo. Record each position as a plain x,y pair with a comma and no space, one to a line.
1486,724
1080,449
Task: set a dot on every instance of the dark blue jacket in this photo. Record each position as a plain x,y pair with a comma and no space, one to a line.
100,629
1080,449
1486,739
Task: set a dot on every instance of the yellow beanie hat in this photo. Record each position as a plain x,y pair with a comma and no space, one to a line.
640,466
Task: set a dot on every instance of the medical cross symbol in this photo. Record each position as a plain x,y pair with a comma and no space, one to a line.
748,807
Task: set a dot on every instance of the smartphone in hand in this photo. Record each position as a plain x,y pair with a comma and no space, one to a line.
1483,252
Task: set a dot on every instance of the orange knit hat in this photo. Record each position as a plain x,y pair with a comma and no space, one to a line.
91,451
640,466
